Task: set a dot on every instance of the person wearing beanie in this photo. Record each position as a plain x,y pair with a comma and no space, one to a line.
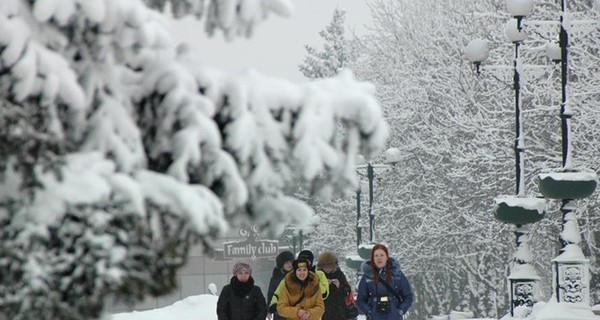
308,255
384,292
283,263
339,288
300,297
241,299
241,266
284,258
323,282
305,255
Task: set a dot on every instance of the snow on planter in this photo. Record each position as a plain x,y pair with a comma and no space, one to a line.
576,184
519,210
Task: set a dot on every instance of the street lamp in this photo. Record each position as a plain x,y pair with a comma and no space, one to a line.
296,235
571,273
519,209
354,261
392,156
571,268
519,9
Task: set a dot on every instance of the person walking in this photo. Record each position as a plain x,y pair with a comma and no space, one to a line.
241,299
384,292
339,288
283,263
300,297
323,282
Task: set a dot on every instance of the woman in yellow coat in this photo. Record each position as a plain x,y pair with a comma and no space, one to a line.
301,297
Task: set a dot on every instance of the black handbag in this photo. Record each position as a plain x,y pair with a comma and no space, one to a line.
351,311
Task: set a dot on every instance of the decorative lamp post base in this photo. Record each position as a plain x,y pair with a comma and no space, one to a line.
524,286
571,297
572,278
523,279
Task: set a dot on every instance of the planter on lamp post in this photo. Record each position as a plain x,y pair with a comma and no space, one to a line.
523,278
519,210
354,261
567,184
364,251
571,278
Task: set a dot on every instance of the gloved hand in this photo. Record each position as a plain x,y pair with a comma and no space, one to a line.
273,308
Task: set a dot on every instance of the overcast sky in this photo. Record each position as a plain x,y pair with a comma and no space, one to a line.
277,46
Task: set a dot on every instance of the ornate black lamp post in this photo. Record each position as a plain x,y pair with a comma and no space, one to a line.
570,268
392,156
519,209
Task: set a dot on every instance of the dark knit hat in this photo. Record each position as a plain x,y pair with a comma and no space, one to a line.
240,266
308,255
301,262
283,257
328,259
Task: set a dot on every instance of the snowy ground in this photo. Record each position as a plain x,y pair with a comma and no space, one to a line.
191,308
204,307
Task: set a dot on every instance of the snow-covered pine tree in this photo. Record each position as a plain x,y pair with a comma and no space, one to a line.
118,149
334,231
335,54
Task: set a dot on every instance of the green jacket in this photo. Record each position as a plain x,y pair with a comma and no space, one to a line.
323,287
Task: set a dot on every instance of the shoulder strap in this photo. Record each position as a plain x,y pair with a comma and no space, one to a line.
315,291
390,289
299,300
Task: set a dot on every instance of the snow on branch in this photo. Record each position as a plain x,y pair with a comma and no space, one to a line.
280,132
148,106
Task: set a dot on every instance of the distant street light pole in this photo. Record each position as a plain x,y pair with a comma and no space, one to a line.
392,156
371,177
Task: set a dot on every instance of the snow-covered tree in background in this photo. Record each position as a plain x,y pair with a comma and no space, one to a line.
437,199
456,134
118,149
335,54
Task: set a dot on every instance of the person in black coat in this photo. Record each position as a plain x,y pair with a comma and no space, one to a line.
283,265
339,288
241,299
